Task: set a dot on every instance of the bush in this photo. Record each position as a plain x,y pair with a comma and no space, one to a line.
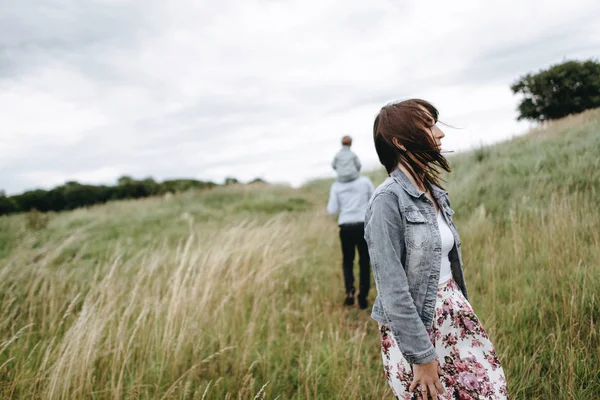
36,220
7,205
561,90
481,154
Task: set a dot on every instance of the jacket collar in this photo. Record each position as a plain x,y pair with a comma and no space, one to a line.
407,185
438,192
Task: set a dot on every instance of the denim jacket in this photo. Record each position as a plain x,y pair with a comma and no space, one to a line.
405,247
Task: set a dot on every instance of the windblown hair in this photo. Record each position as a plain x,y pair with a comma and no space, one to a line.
406,124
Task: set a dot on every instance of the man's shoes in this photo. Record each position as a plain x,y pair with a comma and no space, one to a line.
349,300
362,302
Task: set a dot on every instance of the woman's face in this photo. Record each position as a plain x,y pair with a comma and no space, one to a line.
434,131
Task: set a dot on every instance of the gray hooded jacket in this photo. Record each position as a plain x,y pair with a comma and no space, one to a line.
346,165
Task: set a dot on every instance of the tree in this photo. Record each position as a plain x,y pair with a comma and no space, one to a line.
563,89
231,181
124,180
31,199
7,205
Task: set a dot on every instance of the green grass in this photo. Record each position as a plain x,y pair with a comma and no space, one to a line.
236,292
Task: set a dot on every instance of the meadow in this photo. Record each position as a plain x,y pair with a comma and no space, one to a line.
236,292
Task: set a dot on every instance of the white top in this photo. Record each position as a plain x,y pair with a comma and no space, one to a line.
447,244
350,199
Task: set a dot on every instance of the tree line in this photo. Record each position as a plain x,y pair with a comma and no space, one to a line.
73,195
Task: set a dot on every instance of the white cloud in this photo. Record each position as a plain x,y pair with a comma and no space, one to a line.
93,90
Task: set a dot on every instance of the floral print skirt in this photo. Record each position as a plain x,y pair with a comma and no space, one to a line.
471,369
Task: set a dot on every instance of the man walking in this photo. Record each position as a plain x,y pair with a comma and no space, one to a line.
350,200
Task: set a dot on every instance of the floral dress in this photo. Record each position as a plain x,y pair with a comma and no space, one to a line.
471,369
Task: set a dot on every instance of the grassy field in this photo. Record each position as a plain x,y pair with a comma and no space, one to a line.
235,293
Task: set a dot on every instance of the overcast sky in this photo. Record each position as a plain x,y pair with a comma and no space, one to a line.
91,90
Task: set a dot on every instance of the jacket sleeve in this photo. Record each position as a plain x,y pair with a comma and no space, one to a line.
384,234
333,205
334,162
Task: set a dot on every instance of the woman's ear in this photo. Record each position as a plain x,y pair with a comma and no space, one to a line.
397,144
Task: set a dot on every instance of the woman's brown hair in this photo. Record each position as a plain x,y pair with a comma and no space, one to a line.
401,136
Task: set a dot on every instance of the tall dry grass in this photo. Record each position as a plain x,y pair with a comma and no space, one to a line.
253,310
234,311
536,280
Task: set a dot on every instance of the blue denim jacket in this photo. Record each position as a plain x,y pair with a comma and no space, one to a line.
405,248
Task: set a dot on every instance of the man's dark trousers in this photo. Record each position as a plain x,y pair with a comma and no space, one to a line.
352,236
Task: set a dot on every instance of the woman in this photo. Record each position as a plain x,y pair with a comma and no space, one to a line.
432,342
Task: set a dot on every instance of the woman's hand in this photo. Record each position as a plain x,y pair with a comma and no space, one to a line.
427,378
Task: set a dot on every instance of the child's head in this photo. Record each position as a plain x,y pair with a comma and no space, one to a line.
346,141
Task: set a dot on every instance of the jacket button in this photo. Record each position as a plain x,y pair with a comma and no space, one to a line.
437,249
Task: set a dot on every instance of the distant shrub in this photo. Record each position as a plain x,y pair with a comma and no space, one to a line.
257,180
36,220
481,154
7,205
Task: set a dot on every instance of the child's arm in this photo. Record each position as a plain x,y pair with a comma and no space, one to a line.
334,162
357,163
